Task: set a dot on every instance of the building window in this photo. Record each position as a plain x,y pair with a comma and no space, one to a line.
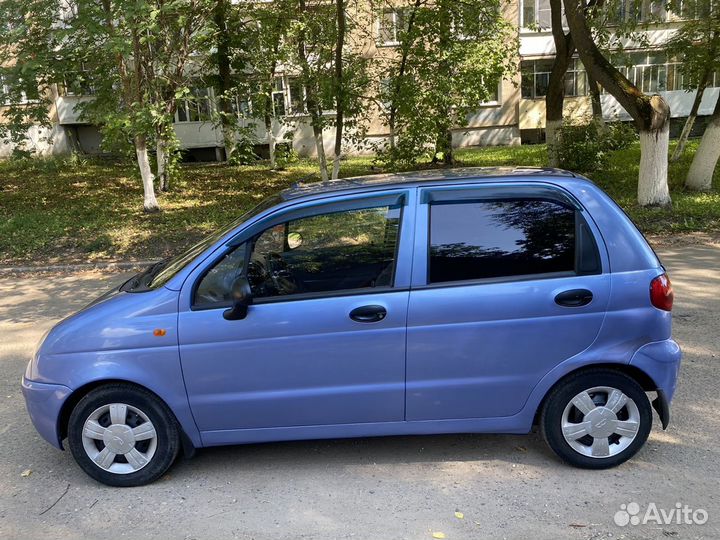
8,93
691,9
4,90
641,11
389,25
493,94
575,79
194,108
535,14
651,71
535,76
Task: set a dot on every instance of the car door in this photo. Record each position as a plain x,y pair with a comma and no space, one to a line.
508,281
324,341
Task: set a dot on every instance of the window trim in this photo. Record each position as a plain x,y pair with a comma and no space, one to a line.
580,223
396,199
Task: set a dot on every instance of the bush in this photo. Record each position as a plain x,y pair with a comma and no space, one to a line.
585,147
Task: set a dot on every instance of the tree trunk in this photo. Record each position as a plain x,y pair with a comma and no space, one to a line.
397,85
311,98
150,203
271,140
220,16
700,175
553,140
687,128
654,167
320,147
555,96
339,86
595,101
443,145
162,163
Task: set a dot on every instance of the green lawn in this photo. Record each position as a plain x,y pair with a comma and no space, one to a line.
72,210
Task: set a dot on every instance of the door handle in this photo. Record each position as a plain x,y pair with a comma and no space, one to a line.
574,298
366,314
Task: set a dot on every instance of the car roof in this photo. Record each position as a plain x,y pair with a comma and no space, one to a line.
405,179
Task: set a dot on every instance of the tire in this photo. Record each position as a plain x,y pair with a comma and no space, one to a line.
122,435
589,408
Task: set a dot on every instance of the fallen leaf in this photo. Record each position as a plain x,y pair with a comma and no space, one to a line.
438,534
26,473
459,515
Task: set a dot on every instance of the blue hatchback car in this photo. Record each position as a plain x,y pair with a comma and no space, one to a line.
469,300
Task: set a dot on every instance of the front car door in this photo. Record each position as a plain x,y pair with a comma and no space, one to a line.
324,341
508,282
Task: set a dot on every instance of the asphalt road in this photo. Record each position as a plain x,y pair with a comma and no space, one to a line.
394,487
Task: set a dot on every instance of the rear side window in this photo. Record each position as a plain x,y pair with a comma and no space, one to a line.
495,239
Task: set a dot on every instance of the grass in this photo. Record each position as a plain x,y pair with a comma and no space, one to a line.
73,210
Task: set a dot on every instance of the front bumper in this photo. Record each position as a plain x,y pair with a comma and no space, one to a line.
44,403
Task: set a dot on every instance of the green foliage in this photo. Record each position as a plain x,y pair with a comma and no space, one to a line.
450,58
587,146
244,153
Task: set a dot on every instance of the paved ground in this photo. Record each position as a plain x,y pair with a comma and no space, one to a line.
397,487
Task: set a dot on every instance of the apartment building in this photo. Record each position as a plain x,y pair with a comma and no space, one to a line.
514,115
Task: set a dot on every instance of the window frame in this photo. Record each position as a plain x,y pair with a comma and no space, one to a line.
584,230
398,199
397,14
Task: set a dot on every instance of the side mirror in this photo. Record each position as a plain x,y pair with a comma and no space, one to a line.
294,240
242,299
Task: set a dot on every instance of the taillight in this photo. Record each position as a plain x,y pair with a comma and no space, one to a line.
661,293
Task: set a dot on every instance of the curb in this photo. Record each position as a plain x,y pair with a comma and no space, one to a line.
69,268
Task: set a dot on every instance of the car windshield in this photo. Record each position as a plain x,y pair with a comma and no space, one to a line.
161,272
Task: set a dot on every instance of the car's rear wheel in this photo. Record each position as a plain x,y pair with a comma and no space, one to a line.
122,435
596,419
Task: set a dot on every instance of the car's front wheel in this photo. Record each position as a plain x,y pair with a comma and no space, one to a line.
122,435
596,419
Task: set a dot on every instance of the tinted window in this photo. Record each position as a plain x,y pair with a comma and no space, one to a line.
329,252
500,238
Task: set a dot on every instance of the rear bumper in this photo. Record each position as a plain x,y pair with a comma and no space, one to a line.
44,402
661,361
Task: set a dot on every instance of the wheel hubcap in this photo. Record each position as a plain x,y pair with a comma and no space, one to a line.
600,422
119,438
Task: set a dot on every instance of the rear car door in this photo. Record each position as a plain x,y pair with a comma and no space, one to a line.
508,281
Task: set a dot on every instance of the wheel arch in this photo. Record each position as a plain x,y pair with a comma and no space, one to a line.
634,372
79,393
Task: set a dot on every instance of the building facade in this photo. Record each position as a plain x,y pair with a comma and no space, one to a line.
516,114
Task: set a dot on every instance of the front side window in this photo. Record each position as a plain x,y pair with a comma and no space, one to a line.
495,239
337,251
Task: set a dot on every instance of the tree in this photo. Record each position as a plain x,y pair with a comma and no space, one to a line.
697,43
131,55
651,114
702,168
223,61
555,96
450,58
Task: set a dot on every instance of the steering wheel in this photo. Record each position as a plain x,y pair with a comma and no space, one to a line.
280,274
